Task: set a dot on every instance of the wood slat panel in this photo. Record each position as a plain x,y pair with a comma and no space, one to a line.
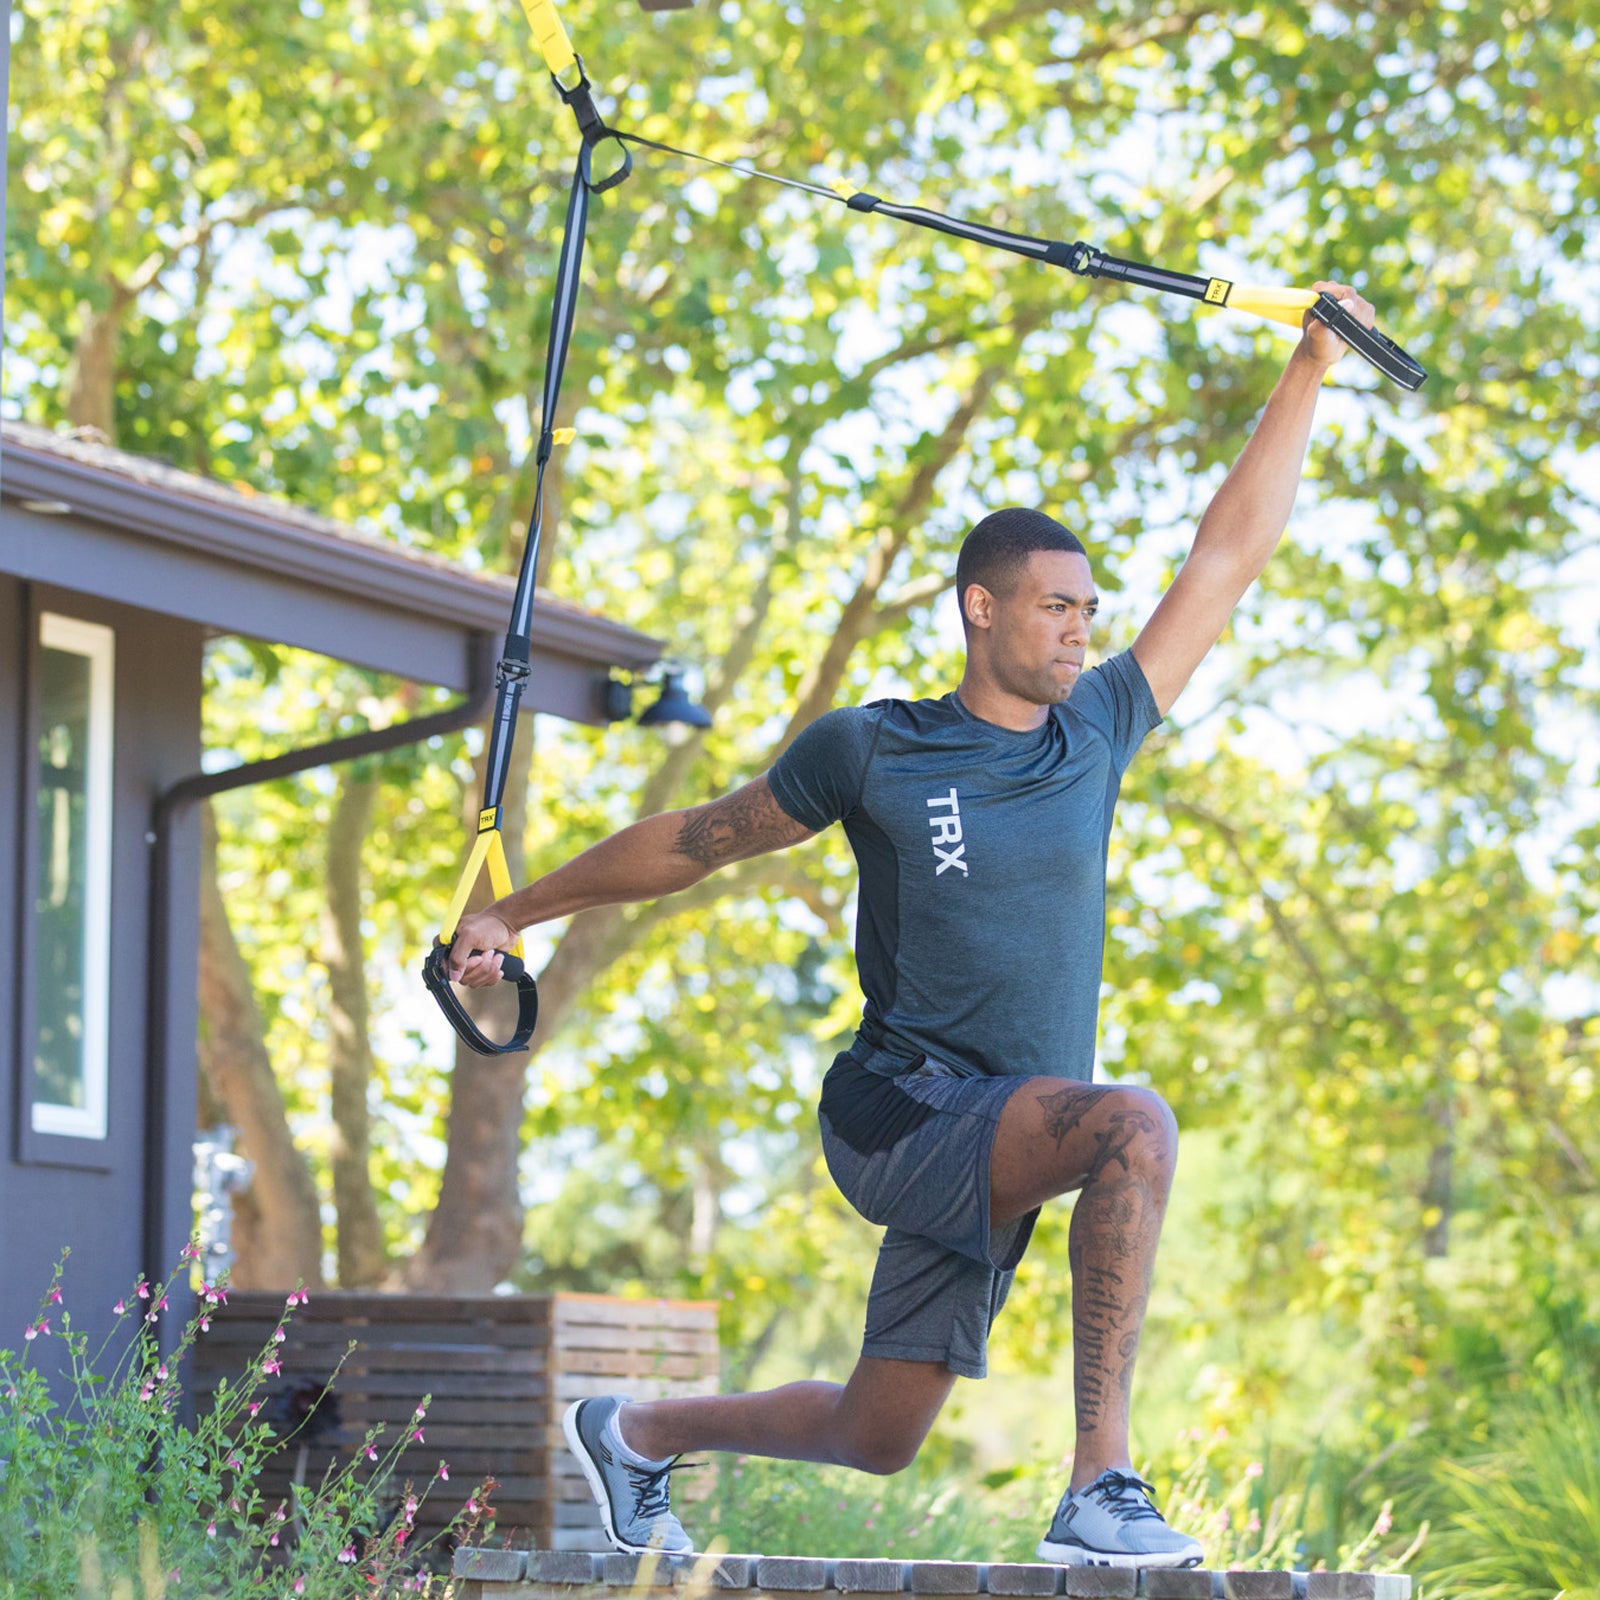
358,1305
634,1363
252,1334
500,1373
570,1386
612,1336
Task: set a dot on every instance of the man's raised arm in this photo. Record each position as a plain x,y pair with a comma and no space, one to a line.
1243,523
656,856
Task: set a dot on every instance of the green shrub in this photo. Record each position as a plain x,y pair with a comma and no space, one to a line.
1520,1520
109,1494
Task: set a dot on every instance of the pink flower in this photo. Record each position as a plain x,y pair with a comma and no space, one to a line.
161,1373
372,1452
190,1252
299,1585
36,1328
1254,1524
416,1436
473,1508
273,1540
148,1390
142,1289
444,1472
119,1308
205,1322
348,1554
271,1367
1253,1470
402,1536
298,1297
54,1297
211,1529
1384,1523
278,1336
255,1406
419,1413
235,1462
411,1506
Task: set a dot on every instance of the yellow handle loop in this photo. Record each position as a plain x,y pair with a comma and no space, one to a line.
1287,306
487,847
549,35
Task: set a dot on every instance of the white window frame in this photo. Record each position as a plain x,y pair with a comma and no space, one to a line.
97,643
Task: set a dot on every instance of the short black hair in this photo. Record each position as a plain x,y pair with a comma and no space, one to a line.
996,550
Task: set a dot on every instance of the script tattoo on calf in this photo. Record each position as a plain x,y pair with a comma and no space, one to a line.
1112,1248
744,823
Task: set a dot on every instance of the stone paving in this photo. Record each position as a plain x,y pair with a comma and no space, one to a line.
504,1574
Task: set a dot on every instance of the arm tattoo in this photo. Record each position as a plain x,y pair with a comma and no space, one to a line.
745,823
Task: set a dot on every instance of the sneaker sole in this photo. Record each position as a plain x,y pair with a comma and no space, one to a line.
597,1487
1077,1555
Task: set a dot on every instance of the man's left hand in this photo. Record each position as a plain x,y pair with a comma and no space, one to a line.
1319,341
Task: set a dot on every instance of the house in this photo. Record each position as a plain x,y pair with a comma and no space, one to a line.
114,570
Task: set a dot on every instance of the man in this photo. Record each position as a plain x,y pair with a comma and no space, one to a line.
980,824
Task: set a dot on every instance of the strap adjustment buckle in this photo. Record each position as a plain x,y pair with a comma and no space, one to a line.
590,123
592,129
1085,259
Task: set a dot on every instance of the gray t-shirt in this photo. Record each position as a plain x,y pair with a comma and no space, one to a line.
982,854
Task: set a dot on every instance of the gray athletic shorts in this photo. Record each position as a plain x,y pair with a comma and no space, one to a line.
909,1146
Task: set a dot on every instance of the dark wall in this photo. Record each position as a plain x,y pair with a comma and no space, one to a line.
96,1197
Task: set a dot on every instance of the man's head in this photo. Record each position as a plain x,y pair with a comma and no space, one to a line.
1026,597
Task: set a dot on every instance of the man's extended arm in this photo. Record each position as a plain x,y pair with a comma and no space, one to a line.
1243,523
656,856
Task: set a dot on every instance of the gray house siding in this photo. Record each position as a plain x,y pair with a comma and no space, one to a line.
96,1195
165,560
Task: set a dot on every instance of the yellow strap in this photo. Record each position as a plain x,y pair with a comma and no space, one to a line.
549,35
1287,306
488,846
842,189
564,435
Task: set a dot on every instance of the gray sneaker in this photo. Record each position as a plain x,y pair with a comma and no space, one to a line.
1112,1523
633,1501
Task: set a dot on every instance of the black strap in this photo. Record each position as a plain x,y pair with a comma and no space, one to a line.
436,975
511,672
1083,259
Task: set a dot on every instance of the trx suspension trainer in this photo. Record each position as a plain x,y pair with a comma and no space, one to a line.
1287,306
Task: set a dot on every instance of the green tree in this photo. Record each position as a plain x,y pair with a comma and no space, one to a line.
1349,876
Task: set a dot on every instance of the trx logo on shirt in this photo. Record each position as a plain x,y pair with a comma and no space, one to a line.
947,831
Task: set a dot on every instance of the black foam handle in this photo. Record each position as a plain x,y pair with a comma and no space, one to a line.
436,975
1377,348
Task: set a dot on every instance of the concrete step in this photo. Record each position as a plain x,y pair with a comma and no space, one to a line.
504,1574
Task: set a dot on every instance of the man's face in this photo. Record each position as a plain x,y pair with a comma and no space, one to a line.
1039,629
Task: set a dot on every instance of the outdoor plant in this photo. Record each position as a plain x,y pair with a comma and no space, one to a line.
1243,1521
1521,1517
108,1492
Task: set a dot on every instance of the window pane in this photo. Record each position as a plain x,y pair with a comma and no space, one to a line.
71,907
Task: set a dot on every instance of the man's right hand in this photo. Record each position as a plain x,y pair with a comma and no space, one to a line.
476,950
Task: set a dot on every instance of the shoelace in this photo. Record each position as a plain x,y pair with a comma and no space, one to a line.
1125,1495
652,1487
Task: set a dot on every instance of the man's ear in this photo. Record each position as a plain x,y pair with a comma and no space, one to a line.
977,606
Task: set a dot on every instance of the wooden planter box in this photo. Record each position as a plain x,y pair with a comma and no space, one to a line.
501,1369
